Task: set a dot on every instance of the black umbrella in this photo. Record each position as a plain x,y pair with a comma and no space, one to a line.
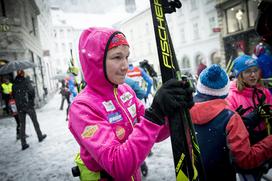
16,65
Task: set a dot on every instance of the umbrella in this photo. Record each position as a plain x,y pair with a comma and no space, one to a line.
16,65
60,76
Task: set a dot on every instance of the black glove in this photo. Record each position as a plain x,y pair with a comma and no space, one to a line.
251,120
264,111
168,99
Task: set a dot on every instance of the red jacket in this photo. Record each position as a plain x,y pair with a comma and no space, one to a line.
243,154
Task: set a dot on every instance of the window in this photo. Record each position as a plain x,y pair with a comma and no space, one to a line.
26,14
33,26
185,63
68,33
215,58
2,8
199,59
195,31
252,11
56,47
212,24
236,19
61,33
63,47
193,4
54,33
182,35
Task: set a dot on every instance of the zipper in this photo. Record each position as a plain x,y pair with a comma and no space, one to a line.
115,95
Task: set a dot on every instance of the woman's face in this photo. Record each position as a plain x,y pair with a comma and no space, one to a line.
117,64
251,76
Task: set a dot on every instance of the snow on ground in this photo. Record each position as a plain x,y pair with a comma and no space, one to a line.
52,159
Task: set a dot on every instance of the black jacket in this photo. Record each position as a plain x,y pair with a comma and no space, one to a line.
23,93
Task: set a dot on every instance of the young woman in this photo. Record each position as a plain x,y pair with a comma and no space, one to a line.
248,94
109,123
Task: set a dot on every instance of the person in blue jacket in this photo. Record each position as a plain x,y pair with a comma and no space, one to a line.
140,76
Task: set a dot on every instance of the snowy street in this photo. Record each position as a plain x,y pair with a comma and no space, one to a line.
52,159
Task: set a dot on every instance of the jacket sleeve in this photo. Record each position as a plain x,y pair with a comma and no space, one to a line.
93,132
244,155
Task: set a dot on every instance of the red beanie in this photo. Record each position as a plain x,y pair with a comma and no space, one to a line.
118,39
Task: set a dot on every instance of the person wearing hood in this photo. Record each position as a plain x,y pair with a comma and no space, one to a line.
109,122
253,102
222,136
24,95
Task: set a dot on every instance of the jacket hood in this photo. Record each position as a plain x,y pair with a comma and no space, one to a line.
93,46
203,112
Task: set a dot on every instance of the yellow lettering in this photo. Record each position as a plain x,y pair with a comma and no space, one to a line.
165,48
166,60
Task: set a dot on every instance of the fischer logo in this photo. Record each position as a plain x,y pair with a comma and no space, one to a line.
162,34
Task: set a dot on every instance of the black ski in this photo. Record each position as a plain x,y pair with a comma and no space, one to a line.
186,153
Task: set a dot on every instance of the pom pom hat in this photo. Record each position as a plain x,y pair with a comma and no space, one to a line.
213,81
242,63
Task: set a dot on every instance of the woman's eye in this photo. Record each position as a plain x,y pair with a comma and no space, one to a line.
118,57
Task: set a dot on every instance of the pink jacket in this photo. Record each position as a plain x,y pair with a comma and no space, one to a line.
107,120
236,98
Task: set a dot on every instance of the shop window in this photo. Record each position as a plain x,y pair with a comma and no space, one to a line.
236,19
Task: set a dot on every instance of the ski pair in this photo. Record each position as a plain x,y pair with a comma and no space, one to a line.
186,153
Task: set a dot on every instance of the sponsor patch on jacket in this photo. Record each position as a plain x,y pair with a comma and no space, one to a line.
115,117
132,110
126,96
109,106
89,131
120,132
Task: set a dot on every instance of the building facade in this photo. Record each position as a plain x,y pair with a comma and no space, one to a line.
237,20
194,31
48,65
19,39
141,37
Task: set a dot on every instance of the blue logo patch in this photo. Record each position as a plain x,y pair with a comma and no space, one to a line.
115,117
